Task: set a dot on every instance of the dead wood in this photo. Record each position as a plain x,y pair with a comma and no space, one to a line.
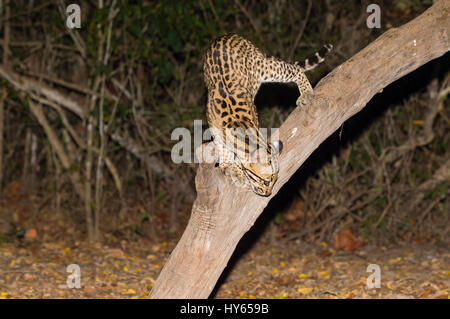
222,213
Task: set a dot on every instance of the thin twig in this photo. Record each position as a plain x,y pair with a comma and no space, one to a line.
5,92
250,18
300,33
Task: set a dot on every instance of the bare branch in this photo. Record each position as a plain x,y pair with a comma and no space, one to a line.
222,214
31,86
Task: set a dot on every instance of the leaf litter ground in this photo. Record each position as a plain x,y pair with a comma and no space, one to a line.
36,267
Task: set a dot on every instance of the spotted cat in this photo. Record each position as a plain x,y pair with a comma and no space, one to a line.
233,71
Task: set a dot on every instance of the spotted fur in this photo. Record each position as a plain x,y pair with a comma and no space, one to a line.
233,71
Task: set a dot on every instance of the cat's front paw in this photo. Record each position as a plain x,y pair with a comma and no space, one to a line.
305,98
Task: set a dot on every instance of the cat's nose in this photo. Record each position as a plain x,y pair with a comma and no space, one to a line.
264,192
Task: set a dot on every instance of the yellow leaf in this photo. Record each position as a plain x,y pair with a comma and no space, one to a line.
156,266
388,285
274,271
138,270
418,122
125,268
250,273
13,262
304,291
130,291
302,276
66,251
291,269
4,294
323,273
282,264
395,260
252,297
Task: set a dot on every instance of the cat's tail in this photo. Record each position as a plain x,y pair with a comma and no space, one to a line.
312,61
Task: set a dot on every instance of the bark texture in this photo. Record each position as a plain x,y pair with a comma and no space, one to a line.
222,214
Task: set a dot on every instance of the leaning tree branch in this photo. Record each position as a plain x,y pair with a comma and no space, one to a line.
222,214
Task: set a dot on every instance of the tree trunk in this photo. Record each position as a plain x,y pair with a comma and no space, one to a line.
222,213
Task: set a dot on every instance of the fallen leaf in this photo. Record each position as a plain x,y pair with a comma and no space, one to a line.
89,289
31,234
394,260
29,277
325,253
13,188
304,291
116,253
346,241
130,291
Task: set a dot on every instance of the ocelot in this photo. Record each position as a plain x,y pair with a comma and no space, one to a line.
233,71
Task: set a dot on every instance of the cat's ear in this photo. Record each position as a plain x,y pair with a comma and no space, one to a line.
277,146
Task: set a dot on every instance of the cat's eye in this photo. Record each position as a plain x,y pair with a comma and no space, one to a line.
266,183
